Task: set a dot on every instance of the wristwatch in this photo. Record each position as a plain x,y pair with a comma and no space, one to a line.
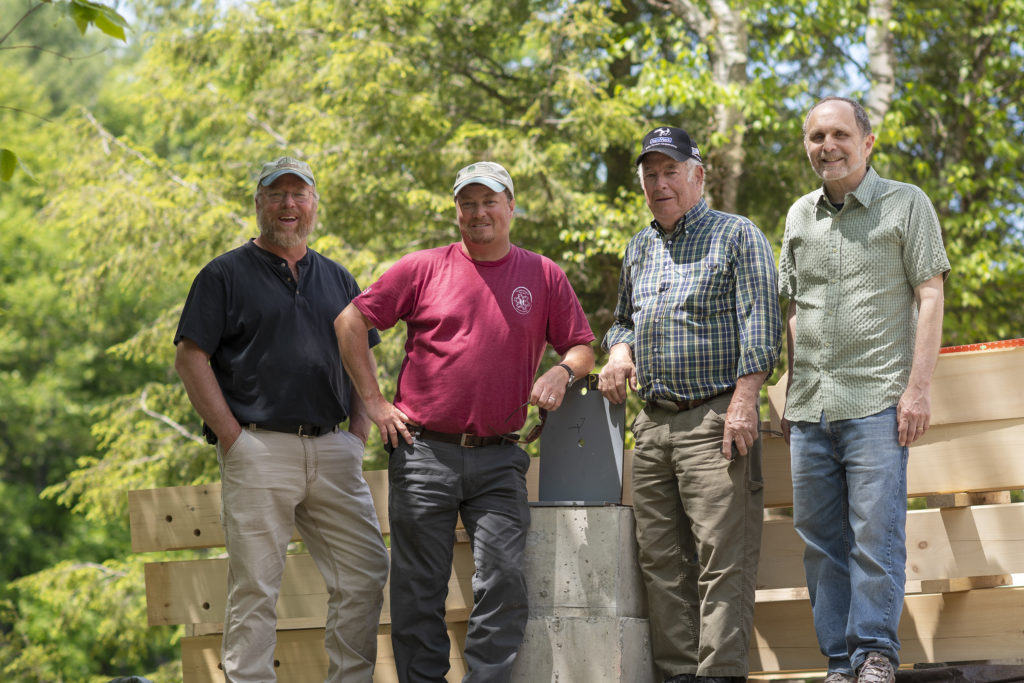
572,375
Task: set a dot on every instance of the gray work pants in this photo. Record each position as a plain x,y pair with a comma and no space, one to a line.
432,483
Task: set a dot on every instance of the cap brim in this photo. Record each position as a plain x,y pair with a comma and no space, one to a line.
489,182
277,174
667,151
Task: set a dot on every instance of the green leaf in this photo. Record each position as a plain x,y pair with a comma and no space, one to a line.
8,162
82,16
106,19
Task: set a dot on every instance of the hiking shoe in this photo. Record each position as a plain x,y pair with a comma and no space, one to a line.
839,677
876,669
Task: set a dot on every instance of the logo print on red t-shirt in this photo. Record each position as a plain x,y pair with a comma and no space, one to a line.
522,300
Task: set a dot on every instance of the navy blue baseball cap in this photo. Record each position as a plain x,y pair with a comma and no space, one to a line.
672,142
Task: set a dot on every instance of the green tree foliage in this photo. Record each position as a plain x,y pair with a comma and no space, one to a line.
83,14
152,176
956,132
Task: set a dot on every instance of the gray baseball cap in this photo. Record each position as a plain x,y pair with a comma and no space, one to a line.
486,173
275,169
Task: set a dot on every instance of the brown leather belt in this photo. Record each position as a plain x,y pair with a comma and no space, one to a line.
680,406
464,440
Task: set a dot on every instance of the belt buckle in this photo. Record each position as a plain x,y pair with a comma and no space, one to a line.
309,434
467,441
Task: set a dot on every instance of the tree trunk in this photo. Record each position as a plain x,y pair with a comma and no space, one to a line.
881,60
725,32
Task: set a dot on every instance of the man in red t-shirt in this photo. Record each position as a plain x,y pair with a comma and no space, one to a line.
479,314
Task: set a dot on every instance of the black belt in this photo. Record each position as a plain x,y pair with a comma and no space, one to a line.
464,440
308,430
680,406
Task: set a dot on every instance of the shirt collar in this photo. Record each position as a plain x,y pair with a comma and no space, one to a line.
695,213
864,193
274,258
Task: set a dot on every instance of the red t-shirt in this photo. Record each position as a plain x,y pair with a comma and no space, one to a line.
476,333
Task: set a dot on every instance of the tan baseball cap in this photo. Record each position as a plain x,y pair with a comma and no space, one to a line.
486,173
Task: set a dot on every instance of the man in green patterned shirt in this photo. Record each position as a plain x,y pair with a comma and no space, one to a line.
862,265
697,330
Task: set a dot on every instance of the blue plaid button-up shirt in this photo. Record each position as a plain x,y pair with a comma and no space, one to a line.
699,306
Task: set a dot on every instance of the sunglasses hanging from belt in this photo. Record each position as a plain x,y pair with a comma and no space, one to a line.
534,432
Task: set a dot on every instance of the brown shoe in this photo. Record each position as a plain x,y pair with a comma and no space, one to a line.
876,669
839,677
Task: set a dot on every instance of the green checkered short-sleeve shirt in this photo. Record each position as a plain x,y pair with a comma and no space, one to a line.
852,274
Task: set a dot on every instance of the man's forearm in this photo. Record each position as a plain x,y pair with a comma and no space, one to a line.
748,388
790,341
928,338
193,366
359,422
580,358
351,327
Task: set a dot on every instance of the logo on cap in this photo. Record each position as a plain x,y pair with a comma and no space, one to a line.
673,142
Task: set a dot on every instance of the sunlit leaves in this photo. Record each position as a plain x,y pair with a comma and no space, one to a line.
86,14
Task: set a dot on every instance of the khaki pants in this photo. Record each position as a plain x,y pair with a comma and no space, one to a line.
698,519
271,484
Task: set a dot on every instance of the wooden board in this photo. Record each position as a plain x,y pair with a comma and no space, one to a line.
971,386
301,657
949,458
179,517
982,540
969,626
195,592
175,517
967,457
942,545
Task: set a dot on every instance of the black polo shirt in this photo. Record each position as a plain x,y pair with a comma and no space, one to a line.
271,340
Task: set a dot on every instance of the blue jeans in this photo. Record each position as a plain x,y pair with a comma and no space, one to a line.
850,508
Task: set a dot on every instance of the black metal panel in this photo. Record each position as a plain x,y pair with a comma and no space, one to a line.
581,449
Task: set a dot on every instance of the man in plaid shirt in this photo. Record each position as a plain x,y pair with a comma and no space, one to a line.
697,331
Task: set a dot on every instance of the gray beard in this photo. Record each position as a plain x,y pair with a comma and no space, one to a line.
270,235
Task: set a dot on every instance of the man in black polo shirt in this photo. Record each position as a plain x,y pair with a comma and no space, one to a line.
257,353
